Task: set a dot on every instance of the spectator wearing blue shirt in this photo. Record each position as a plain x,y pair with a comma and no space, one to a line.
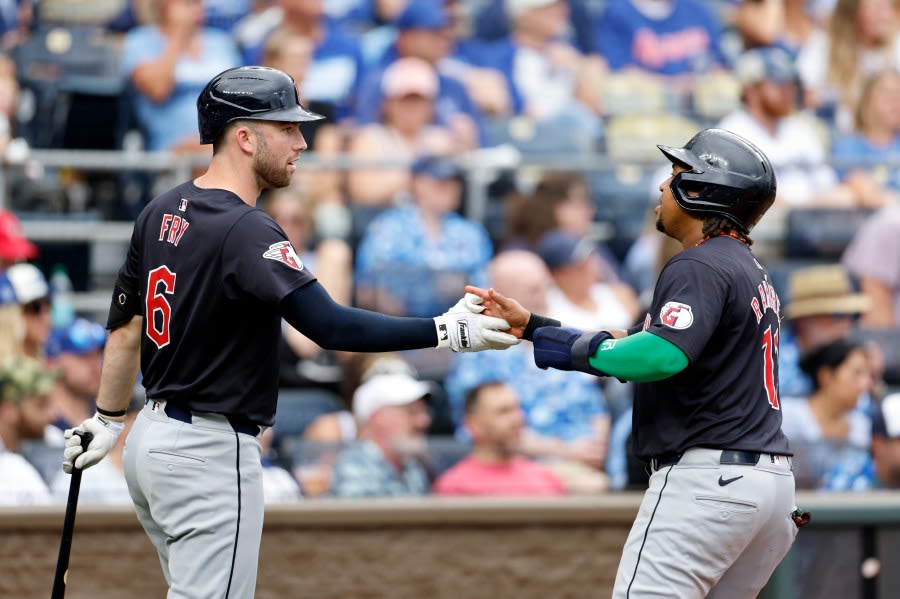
667,37
415,258
423,32
336,70
167,64
867,157
567,423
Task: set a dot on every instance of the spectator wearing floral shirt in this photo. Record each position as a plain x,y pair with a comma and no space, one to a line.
393,417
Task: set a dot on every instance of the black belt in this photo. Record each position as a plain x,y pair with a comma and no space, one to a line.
731,457
240,425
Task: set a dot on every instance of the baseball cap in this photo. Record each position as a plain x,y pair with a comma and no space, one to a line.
407,76
14,245
436,167
24,376
758,64
516,7
423,14
28,282
81,336
387,390
821,290
886,417
560,248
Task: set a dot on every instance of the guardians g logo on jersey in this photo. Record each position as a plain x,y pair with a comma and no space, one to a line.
284,252
676,315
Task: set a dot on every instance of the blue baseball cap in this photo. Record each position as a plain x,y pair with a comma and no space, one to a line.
423,14
80,337
436,167
560,248
770,63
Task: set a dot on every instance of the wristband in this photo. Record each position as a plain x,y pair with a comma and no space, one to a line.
535,321
111,413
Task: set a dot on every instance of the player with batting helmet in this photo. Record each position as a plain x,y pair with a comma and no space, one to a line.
198,308
719,513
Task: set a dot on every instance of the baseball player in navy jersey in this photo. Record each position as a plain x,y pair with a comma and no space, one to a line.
719,513
197,308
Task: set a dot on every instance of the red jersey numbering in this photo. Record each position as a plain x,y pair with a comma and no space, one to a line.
284,252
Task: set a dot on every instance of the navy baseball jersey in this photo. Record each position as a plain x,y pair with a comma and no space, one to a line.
210,272
716,303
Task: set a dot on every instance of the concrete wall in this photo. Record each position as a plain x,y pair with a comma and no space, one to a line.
417,549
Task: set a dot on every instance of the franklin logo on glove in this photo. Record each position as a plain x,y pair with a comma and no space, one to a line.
463,333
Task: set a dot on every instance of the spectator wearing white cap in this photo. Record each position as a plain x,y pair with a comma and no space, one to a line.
886,442
393,418
33,294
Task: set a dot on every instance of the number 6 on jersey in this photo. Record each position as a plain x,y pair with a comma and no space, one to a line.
158,309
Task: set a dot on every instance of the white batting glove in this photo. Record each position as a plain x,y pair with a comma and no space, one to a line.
106,432
463,329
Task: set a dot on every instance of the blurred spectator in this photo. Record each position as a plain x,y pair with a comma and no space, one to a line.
16,18
861,39
423,32
567,424
582,296
279,485
769,118
560,200
823,308
225,14
800,25
303,363
332,79
386,461
76,351
33,294
104,484
678,39
873,257
549,80
167,64
9,106
404,132
753,24
491,22
12,322
867,158
414,259
293,53
25,411
886,442
829,437
14,246
495,422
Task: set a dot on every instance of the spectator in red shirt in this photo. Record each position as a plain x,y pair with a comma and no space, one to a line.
494,467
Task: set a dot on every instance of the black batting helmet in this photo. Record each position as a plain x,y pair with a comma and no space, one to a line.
257,93
726,175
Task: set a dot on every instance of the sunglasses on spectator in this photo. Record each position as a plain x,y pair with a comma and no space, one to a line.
36,306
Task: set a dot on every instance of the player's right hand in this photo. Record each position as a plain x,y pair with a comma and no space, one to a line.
462,329
106,432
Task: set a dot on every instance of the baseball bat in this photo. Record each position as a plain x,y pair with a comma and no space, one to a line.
65,543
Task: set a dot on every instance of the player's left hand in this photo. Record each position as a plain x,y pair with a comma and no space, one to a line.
463,329
567,348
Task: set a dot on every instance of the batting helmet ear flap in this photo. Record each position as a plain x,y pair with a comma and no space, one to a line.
725,175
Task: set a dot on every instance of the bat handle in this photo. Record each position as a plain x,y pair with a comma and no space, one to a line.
86,438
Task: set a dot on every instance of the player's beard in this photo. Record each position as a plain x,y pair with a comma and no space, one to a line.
270,172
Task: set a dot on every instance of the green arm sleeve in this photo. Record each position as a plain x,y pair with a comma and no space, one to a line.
642,357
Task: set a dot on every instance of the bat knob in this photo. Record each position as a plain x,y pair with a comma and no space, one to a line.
86,437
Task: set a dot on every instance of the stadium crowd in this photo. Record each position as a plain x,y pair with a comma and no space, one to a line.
410,89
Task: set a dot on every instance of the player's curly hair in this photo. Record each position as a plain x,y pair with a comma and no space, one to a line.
714,226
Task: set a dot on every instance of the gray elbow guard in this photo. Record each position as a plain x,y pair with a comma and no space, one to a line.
124,306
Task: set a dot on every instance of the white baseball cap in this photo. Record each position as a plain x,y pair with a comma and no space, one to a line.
387,390
28,281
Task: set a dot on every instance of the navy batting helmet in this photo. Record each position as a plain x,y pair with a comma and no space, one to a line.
726,175
257,93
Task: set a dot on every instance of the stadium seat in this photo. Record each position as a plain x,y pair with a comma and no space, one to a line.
633,137
539,138
821,233
715,95
632,92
